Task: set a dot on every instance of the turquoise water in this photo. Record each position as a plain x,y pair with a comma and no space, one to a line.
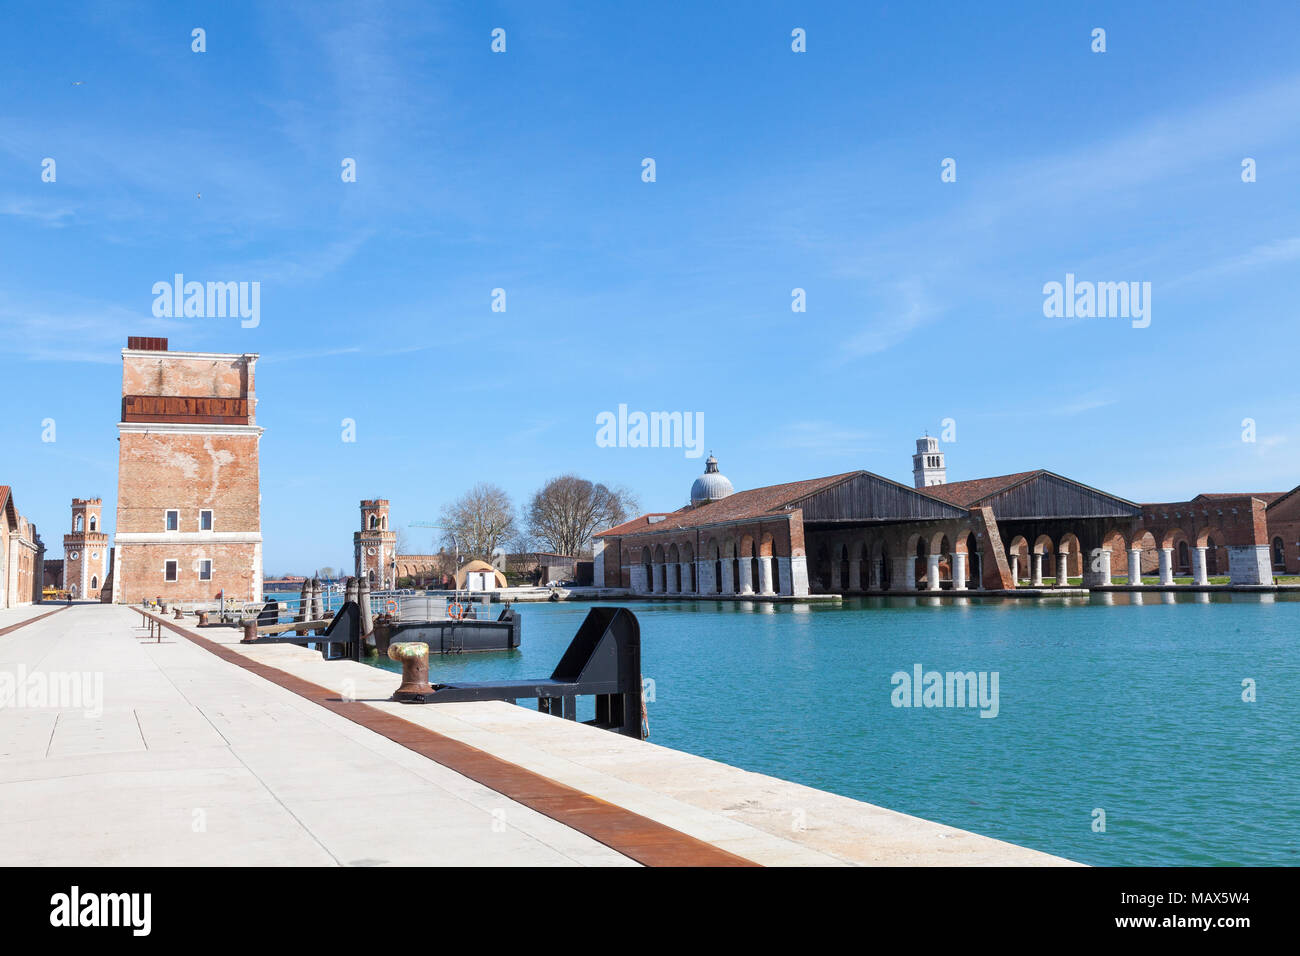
1133,709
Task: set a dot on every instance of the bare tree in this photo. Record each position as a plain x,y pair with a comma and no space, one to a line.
482,520
568,510
403,544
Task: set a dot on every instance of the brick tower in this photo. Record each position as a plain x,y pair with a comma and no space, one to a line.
374,546
85,550
189,525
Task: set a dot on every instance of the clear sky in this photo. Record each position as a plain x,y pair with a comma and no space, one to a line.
775,170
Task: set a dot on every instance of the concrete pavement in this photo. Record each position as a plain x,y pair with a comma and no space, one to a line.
195,760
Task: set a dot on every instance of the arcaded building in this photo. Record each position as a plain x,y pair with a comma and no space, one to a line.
859,532
189,527
85,550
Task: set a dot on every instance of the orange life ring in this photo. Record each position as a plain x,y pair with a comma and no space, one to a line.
390,606
455,610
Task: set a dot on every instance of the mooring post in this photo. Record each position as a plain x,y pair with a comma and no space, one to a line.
304,607
414,658
250,630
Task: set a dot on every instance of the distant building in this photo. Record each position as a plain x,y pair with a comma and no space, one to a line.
85,550
479,576
859,532
22,555
53,573
1283,519
189,526
375,546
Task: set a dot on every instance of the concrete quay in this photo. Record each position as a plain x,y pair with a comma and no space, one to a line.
206,752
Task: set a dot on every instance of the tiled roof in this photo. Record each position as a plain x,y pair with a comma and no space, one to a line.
1283,496
7,505
1268,497
964,494
754,503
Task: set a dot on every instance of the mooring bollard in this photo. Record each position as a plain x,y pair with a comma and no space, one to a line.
180,615
250,630
203,618
414,658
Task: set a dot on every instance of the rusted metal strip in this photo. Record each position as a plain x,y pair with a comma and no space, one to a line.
642,839
32,620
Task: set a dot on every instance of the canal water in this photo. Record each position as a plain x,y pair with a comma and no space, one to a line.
1103,704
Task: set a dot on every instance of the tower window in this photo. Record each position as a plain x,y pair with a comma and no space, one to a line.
205,520
173,519
93,523
76,524
169,571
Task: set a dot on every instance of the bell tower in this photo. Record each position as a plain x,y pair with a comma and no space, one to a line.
928,466
85,550
375,546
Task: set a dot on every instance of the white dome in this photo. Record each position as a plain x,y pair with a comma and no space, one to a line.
711,485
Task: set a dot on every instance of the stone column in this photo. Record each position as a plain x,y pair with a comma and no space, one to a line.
794,575
959,571
1199,573
855,574
1015,569
835,574
877,572
1036,569
670,578
932,573
1063,569
657,578
904,577
765,574
688,585
1134,566
747,576
704,583
1166,567
727,586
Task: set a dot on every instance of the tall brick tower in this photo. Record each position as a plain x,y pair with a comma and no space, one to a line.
374,546
189,525
85,550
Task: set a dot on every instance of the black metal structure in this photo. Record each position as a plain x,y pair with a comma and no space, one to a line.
603,659
451,636
341,640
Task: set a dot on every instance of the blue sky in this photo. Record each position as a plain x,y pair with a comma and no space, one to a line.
775,170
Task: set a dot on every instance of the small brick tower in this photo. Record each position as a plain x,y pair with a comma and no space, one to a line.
85,550
374,546
928,467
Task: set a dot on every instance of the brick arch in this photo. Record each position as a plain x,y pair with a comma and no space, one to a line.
1172,536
